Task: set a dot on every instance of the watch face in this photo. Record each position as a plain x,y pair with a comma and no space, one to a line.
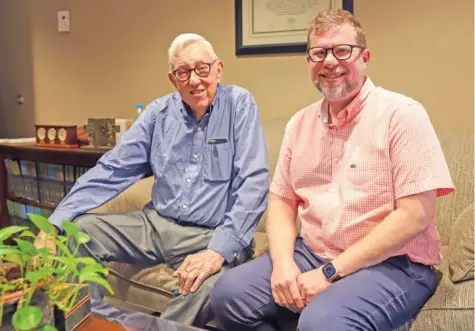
62,134
41,133
52,135
329,270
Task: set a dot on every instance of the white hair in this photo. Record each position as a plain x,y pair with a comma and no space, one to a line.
183,41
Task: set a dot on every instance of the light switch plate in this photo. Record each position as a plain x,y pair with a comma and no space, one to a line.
64,22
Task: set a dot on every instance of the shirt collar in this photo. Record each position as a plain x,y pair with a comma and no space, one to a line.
350,111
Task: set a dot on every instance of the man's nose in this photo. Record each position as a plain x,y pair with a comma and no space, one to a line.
194,78
330,60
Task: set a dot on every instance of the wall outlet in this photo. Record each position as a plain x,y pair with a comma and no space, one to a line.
64,22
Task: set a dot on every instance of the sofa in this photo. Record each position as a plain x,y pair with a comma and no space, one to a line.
450,308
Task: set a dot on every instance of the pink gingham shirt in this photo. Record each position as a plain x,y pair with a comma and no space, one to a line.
347,177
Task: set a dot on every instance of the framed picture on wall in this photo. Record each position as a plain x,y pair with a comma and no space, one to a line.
277,26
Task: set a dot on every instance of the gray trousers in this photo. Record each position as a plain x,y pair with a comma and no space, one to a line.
148,239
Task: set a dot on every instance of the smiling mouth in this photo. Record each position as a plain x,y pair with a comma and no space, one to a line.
331,76
196,92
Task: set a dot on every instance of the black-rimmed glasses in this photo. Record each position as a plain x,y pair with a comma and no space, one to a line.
340,52
201,70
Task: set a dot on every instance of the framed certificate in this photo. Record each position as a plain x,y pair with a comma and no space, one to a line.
277,26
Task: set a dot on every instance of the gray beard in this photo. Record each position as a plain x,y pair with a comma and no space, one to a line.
336,92
341,91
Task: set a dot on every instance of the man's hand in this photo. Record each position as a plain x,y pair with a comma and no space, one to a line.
43,240
196,268
312,283
284,286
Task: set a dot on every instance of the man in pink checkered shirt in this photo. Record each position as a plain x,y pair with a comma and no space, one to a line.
362,169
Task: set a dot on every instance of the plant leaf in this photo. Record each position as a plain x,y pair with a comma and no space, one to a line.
63,247
82,238
27,318
95,278
6,250
62,238
42,223
70,228
27,233
45,251
26,247
61,259
35,276
7,232
94,268
15,258
48,328
86,260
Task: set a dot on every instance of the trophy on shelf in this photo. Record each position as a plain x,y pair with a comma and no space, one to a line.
62,136
101,132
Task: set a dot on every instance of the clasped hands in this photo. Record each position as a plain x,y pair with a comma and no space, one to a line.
293,289
196,268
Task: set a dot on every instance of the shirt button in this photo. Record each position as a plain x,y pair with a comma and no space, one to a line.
195,156
188,180
185,206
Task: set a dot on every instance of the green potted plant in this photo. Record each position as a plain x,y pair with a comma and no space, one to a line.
34,283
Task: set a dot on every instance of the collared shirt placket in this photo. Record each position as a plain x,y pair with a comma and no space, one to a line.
192,170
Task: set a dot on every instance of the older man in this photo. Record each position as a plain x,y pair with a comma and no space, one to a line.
206,150
362,169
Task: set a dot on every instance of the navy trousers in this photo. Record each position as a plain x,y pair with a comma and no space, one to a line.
382,297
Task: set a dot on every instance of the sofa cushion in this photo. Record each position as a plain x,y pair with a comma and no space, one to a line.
461,247
450,308
458,151
261,244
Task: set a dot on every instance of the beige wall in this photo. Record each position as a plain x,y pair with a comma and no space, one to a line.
115,56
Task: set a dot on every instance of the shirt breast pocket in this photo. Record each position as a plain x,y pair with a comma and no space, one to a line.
217,162
366,186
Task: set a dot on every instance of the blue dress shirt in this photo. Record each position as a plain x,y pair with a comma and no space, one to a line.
212,173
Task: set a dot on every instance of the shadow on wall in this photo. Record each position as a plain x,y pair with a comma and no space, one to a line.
16,70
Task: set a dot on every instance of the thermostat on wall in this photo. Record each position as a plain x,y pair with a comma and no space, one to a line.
64,22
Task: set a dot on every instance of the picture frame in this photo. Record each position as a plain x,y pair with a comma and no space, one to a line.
277,26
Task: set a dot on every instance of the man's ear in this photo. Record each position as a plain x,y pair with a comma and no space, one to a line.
366,57
172,79
219,70
308,59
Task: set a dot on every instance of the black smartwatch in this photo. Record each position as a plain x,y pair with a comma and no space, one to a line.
330,272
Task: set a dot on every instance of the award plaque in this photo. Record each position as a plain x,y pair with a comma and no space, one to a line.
102,132
62,136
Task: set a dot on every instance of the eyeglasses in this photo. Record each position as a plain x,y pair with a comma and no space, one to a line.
201,70
340,52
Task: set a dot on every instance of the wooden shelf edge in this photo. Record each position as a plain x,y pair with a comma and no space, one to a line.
33,203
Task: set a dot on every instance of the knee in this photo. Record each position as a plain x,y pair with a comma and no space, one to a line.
223,291
83,222
326,318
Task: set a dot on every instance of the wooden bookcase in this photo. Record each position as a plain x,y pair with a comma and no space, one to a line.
74,157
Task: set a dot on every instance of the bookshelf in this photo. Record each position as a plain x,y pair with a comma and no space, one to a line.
35,179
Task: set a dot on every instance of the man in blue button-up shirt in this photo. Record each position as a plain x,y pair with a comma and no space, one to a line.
205,147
